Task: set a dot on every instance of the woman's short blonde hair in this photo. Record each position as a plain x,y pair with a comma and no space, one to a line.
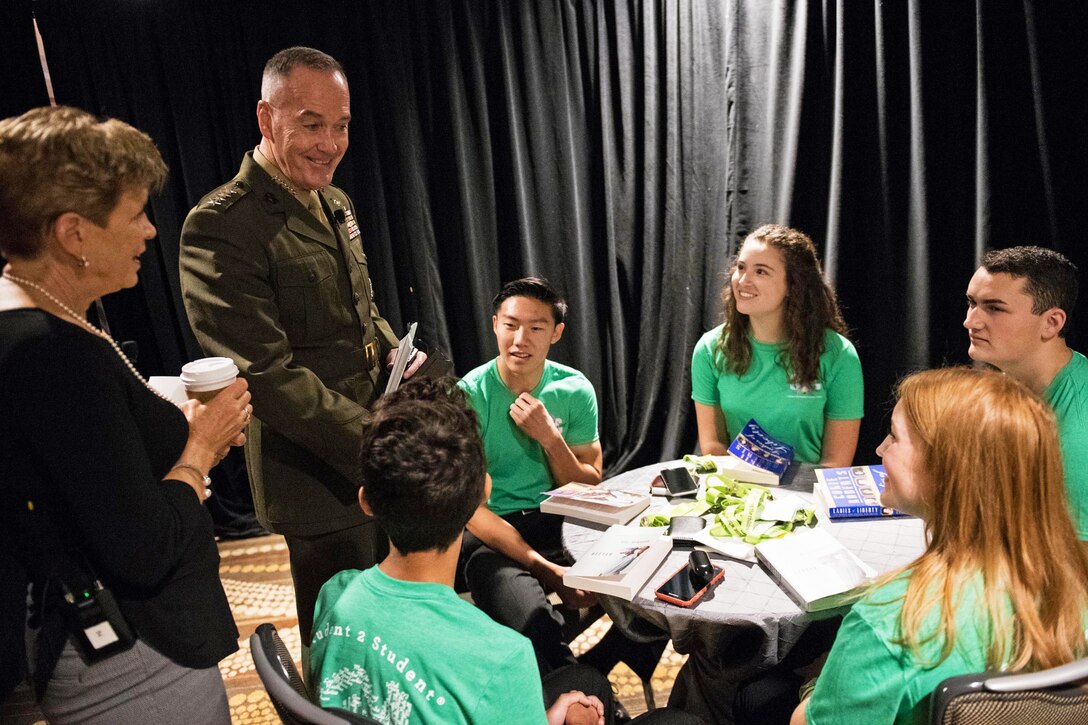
61,159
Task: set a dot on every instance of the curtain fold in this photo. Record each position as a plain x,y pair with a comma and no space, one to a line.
622,148
22,82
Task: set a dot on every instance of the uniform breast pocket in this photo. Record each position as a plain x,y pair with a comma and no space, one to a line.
306,287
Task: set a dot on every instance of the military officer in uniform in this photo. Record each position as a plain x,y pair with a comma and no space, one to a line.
273,276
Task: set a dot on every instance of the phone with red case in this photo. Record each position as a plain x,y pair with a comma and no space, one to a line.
682,588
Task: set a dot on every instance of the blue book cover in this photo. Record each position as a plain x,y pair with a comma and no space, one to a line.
854,492
756,446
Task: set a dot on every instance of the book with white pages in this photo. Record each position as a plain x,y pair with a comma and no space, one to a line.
853,492
620,562
596,504
405,349
746,472
815,569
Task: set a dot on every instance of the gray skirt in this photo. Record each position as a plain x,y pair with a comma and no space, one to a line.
137,686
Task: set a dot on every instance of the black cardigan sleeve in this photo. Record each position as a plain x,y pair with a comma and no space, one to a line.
84,447
103,442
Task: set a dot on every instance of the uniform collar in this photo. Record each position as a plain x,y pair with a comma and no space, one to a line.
304,197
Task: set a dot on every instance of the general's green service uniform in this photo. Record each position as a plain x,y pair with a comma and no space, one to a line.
287,296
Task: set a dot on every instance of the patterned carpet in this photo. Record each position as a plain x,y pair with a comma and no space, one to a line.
257,579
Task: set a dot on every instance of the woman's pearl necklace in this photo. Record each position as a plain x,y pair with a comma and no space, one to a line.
82,322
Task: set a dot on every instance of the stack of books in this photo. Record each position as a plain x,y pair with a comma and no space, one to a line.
853,493
620,562
597,504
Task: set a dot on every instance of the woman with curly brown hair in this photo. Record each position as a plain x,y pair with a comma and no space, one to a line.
780,357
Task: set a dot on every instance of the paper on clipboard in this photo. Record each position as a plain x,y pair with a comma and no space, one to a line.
400,361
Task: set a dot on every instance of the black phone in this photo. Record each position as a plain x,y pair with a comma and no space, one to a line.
687,586
436,365
679,481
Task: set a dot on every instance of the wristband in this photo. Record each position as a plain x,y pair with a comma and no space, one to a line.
202,476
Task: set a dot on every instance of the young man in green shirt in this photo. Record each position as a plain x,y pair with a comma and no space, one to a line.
538,421
394,642
1018,307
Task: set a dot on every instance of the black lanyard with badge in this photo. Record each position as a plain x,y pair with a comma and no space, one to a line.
91,616
94,621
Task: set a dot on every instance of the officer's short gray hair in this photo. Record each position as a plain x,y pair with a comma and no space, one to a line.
282,63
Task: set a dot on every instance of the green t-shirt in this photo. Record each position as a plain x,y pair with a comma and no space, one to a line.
517,463
1068,396
764,393
869,679
409,652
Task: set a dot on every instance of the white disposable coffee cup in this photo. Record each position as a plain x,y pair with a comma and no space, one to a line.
205,377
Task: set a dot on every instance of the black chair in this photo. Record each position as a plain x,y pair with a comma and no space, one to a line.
1057,696
285,687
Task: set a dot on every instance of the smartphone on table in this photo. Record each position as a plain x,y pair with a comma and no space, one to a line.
679,481
687,586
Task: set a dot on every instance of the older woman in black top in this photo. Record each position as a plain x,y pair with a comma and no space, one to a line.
103,480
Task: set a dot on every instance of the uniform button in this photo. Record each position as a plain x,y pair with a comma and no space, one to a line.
357,297
313,276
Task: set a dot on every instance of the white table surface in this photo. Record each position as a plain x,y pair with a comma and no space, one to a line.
747,623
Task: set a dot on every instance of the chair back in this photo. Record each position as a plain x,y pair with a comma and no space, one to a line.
1057,696
288,693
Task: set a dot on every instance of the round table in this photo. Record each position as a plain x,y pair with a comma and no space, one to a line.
747,623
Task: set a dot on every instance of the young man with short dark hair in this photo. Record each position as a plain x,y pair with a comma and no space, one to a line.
538,421
394,642
1018,307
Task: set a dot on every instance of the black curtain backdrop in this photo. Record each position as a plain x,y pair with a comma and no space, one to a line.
22,83
621,149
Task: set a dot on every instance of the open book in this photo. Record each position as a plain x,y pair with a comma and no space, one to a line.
405,348
620,562
815,569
